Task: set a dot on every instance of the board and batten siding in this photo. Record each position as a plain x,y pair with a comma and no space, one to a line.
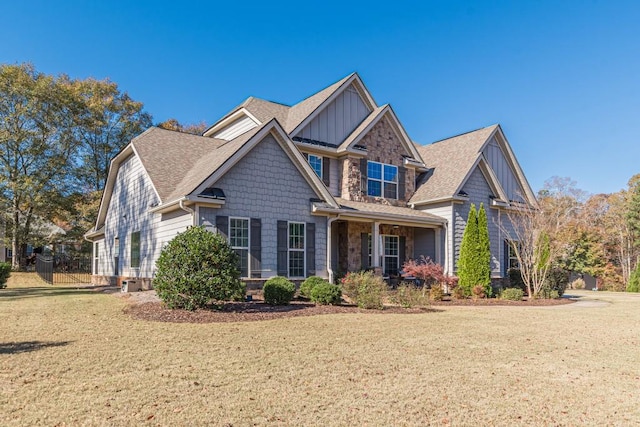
338,119
236,128
133,195
444,210
266,184
498,162
479,191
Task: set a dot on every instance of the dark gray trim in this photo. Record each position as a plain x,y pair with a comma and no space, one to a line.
222,224
326,162
283,248
310,238
255,248
364,250
401,183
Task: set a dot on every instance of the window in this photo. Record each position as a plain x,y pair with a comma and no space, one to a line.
239,241
296,249
316,164
391,254
512,259
382,180
135,250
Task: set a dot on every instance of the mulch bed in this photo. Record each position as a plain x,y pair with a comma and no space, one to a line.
257,310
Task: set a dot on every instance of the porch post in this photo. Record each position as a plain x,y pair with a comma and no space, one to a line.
438,242
375,248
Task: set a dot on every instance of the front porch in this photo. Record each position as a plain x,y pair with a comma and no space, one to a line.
383,247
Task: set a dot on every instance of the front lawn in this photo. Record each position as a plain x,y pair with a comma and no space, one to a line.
73,356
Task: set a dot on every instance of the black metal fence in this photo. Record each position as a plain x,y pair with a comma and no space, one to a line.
63,269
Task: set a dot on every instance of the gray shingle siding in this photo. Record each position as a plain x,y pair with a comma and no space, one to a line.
266,184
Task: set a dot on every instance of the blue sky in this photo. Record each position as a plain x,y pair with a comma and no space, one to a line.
561,77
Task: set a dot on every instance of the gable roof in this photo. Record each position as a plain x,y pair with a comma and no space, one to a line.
294,117
370,121
450,162
238,148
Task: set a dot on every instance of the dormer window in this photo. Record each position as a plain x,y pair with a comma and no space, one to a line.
382,180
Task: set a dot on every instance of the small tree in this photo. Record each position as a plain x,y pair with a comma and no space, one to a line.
468,253
484,252
427,271
634,280
5,273
196,268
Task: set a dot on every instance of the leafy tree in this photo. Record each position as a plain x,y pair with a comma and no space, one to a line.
633,209
634,280
195,268
39,121
193,128
111,119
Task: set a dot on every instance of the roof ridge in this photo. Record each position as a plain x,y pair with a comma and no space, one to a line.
460,134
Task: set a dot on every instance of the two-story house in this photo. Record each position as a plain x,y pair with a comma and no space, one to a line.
329,185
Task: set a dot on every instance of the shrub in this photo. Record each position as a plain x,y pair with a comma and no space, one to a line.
326,293
478,292
409,295
364,288
578,284
458,293
310,283
553,294
5,273
278,291
515,279
557,280
634,280
512,294
195,268
436,293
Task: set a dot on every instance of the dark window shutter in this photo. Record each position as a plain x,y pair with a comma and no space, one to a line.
222,224
505,257
401,183
326,162
255,248
402,252
283,249
363,175
311,248
364,250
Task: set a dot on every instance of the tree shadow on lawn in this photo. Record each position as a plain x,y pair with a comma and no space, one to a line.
29,346
11,294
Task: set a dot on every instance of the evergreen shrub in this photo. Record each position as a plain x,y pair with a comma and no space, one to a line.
5,273
196,268
310,283
325,293
278,291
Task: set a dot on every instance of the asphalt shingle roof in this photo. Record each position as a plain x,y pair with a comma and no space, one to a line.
449,161
178,162
384,209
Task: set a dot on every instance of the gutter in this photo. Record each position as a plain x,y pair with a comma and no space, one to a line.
381,216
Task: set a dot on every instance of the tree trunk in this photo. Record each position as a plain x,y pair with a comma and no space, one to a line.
15,246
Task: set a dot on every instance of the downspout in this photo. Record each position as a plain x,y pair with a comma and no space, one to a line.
189,210
329,269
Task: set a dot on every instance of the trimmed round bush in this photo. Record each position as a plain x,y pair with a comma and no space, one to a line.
326,293
278,291
512,294
196,268
310,283
5,273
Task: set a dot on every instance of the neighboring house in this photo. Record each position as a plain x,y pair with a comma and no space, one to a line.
329,185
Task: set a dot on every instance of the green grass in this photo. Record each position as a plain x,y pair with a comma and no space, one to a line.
71,356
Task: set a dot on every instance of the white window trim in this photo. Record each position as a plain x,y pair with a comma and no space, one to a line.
248,240
382,181
384,252
321,164
511,257
303,250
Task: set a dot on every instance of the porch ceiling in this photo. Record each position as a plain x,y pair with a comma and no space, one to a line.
369,212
